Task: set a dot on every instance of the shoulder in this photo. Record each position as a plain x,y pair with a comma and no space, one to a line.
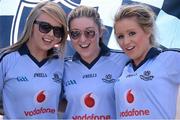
4,55
117,57
172,50
68,58
117,54
116,51
170,55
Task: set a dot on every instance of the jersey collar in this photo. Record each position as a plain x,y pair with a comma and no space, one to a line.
105,51
23,50
153,52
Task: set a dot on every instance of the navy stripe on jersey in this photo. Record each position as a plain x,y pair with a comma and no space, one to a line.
116,51
172,49
2,55
153,52
25,51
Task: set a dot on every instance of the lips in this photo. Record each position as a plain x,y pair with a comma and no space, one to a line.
130,48
84,45
47,40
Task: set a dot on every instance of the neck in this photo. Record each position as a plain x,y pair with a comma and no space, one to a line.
89,59
36,53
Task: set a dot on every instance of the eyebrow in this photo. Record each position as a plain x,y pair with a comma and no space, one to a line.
84,29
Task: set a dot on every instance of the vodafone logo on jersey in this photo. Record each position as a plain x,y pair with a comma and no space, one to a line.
89,101
41,97
130,96
130,110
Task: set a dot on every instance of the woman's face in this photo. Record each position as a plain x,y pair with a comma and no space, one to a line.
132,39
46,33
84,34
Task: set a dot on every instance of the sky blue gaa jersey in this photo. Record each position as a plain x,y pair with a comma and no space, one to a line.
30,89
89,87
150,90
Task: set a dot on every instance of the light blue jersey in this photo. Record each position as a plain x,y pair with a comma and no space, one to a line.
150,90
89,87
30,89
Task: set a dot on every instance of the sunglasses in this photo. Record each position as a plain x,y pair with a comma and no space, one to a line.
75,34
45,27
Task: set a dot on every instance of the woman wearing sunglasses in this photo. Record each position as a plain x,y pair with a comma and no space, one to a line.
31,69
148,86
90,74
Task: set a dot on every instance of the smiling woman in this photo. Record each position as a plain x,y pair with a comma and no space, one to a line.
88,76
152,76
31,69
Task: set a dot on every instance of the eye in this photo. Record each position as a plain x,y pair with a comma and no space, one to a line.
131,33
119,37
89,33
59,31
45,25
74,34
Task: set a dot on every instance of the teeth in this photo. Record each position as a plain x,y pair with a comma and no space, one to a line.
84,46
130,48
48,40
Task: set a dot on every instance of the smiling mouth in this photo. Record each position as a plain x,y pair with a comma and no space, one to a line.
84,46
130,48
47,40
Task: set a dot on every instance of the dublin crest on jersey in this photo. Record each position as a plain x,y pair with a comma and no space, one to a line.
146,76
108,79
57,77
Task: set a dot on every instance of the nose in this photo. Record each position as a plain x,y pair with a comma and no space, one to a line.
51,32
126,40
82,37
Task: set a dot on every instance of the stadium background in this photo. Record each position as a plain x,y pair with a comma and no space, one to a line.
14,12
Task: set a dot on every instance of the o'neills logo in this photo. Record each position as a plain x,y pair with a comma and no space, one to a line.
134,112
39,111
91,117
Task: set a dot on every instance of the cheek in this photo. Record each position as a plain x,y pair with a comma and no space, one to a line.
120,42
74,43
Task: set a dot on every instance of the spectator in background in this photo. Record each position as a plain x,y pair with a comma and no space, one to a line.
148,86
90,74
31,69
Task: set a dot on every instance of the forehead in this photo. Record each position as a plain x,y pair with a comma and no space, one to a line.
47,18
83,23
127,23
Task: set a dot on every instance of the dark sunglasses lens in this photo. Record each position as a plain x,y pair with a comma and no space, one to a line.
75,34
58,32
44,27
89,33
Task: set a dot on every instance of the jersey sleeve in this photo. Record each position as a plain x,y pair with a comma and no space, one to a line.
174,66
1,78
1,86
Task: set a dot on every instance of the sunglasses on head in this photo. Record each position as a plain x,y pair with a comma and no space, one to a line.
75,34
45,27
